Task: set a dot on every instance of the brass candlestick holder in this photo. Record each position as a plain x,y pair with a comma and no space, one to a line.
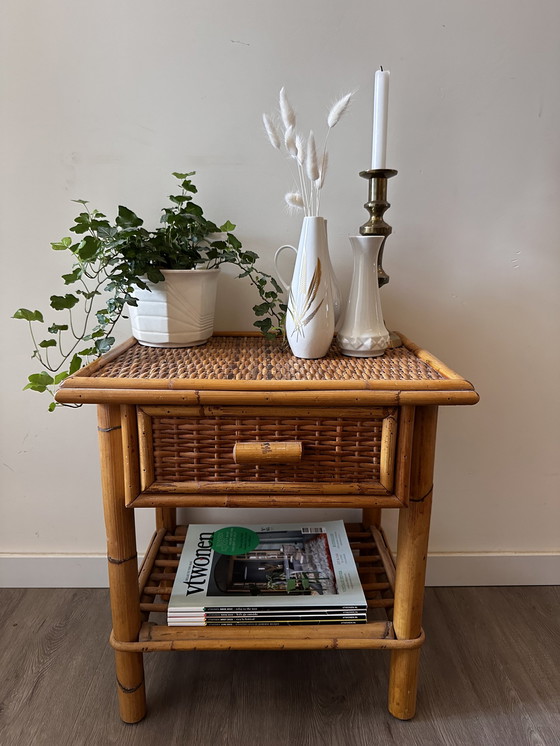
377,205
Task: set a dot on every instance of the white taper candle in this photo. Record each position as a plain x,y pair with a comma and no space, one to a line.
380,112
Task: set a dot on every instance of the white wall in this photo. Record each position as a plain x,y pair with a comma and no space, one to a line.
103,100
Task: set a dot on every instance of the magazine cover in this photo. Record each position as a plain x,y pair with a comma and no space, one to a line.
277,566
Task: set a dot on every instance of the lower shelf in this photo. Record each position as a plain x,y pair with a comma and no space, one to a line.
377,574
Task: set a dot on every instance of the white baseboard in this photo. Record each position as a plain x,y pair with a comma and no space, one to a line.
493,568
464,569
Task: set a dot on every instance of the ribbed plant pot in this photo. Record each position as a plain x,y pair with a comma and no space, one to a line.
178,312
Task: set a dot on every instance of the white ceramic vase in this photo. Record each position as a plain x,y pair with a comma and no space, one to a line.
363,332
178,312
310,319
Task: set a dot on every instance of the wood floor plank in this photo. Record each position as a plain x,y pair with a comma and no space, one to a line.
52,645
489,675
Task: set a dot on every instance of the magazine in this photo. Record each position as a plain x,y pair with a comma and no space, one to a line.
285,569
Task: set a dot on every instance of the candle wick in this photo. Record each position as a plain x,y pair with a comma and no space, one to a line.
381,68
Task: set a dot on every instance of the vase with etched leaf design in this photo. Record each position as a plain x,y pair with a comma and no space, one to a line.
310,318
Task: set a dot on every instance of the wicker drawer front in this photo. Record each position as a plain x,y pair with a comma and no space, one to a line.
341,449
352,450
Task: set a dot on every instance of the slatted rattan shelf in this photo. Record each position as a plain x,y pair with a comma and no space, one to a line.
377,574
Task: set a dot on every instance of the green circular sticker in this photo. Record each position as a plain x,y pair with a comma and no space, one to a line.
234,540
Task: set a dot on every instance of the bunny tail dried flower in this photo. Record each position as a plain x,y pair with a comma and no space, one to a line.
338,110
287,113
295,200
290,141
311,164
272,132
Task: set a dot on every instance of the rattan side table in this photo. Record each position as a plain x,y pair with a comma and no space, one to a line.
168,421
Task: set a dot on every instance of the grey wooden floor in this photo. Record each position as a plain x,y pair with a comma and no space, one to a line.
490,675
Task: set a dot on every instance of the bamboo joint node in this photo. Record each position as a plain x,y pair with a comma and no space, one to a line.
424,497
128,690
114,561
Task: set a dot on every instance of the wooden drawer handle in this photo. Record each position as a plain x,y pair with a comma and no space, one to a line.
263,452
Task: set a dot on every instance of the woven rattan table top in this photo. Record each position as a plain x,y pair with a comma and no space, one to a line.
258,359
251,363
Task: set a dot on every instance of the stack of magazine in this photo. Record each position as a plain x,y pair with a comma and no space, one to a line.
277,574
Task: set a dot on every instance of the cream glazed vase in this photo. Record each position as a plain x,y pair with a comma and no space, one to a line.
310,318
363,332
178,312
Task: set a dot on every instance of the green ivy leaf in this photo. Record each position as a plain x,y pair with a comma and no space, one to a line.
88,248
61,245
24,313
48,343
104,345
35,387
88,296
227,227
261,309
234,241
73,276
154,275
264,324
41,379
127,218
52,406
81,223
59,302
55,328
75,364
60,377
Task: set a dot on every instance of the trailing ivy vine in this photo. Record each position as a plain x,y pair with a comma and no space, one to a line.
112,259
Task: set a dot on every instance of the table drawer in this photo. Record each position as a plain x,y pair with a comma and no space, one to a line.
257,450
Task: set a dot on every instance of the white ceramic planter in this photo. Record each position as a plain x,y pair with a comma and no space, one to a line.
178,312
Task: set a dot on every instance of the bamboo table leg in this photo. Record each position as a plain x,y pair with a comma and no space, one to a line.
412,549
123,565
371,517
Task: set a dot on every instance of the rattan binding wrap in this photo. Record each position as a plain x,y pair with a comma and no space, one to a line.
259,359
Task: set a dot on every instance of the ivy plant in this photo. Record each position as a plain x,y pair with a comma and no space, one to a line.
110,260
